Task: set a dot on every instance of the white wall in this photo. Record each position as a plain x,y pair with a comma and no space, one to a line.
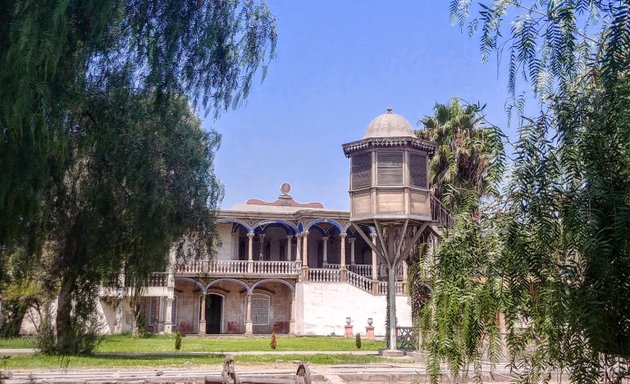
323,308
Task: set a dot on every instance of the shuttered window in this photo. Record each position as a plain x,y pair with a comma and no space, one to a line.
390,168
361,170
418,170
174,311
260,310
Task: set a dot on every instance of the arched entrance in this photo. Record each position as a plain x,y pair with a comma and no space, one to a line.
214,313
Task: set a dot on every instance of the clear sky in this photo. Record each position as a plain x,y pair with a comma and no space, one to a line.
340,64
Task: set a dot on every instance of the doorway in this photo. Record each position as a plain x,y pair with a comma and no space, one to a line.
214,313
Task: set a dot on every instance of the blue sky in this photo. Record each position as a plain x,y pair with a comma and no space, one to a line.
340,64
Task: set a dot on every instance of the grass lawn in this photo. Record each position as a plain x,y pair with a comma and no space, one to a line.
105,361
166,343
113,344
17,342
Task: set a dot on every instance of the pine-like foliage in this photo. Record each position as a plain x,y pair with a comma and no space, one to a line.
558,250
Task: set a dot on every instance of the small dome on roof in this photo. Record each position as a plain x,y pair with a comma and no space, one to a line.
389,124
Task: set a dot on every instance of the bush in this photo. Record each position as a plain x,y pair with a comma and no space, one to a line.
178,341
274,342
357,340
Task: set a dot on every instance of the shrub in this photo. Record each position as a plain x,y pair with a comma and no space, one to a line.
274,342
357,340
178,341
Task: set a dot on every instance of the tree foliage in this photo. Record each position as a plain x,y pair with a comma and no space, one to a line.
562,253
53,52
105,163
469,154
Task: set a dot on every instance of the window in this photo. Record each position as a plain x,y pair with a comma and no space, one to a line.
361,170
260,310
174,311
153,309
418,169
390,168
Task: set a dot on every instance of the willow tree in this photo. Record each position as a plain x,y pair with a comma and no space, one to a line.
555,278
104,161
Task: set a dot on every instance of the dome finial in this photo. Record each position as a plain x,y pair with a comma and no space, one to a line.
389,109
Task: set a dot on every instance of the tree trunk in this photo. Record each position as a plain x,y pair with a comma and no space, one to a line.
63,320
13,321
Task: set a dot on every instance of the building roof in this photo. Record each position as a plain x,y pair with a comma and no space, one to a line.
389,124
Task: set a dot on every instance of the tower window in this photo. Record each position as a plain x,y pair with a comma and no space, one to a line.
361,170
390,168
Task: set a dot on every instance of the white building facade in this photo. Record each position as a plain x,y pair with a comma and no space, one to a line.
281,267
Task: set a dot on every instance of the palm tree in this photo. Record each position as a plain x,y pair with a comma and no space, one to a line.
469,155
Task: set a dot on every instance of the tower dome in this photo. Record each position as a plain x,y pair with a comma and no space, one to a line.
389,124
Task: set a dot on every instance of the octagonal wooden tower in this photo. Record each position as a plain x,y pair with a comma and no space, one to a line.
389,192
389,172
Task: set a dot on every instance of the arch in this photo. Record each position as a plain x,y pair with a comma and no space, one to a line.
236,221
193,281
273,281
235,281
348,228
327,221
289,225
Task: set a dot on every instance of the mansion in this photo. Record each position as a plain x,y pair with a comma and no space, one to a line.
281,267
297,268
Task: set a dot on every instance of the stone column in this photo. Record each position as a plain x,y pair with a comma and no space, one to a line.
120,297
289,238
352,239
404,277
342,257
305,248
170,292
249,328
292,318
298,249
325,241
250,252
374,267
202,316
261,251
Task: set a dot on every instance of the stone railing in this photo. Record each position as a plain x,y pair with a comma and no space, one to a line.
274,267
400,288
361,269
227,267
237,267
359,281
332,266
323,275
159,279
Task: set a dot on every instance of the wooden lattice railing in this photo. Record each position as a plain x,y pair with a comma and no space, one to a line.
440,214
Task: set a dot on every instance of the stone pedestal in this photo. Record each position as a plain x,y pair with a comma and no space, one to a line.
348,332
202,328
369,332
249,329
